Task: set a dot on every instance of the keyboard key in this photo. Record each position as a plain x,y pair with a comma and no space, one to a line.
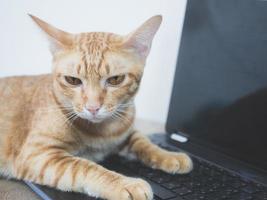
216,184
227,178
177,198
251,189
215,173
220,195
261,187
160,177
237,184
243,196
205,190
261,195
156,198
161,192
182,191
143,170
192,185
150,174
161,180
229,190
171,185
194,197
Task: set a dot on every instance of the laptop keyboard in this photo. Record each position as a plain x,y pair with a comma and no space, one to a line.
205,182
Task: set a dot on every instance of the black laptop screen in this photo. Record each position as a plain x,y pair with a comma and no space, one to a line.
220,87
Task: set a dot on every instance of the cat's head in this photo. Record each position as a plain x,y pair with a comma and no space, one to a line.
96,74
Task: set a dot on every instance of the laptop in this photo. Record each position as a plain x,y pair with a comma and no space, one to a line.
218,108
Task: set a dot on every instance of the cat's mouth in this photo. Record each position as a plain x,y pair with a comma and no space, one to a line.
94,118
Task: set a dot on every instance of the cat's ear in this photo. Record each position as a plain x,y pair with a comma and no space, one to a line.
140,40
58,39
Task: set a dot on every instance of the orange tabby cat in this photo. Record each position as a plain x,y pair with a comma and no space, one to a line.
54,128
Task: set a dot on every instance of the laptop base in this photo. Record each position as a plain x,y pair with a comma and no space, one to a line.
207,181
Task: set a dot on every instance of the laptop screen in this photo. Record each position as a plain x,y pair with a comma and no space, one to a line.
220,88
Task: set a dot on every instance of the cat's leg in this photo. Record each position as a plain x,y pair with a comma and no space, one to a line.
155,157
53,166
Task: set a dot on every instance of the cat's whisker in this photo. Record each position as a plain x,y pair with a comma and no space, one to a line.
68,118
49,111
54,109
67,115
56,106
125,110
117,117
122,105
125,105
128,103
73,119
121,117
121,110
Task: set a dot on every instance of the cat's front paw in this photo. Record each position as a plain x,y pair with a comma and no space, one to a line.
175,163
135,189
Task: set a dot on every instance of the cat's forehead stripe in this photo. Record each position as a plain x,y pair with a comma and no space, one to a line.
79,69
93,46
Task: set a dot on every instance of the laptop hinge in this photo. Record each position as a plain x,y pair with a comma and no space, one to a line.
179,137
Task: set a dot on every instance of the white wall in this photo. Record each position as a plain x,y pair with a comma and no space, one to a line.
23,49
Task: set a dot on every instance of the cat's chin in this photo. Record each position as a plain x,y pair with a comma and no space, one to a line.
92,120
95,121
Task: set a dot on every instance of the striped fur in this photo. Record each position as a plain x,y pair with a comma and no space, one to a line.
43,138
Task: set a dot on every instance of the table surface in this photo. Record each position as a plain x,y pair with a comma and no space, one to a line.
15,190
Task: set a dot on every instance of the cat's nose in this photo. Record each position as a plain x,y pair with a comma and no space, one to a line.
93,109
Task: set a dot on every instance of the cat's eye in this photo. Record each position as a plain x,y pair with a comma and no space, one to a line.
115,80
73,80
